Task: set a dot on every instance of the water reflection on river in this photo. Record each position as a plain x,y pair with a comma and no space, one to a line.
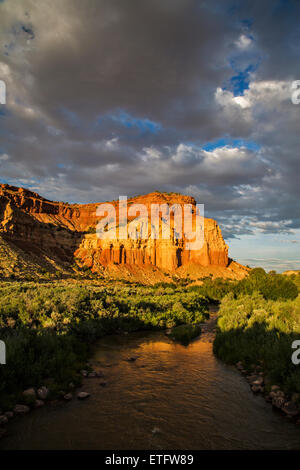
171,397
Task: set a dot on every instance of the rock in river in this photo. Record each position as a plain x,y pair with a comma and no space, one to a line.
92,375
290,408
3,420
278,402
43,393
82,395
39,403
21,409
68,397
29,393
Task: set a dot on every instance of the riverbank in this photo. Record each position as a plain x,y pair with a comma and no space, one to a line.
260,383
257,335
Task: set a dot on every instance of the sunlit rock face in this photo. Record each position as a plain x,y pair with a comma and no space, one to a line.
65,232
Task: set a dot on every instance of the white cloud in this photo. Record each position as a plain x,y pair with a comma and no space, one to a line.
241,101
271,226
150,153
112,144
267,92
226,153
243,42
186,154
106,145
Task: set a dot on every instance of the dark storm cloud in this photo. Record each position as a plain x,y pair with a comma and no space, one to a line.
114,97
275,26
154,59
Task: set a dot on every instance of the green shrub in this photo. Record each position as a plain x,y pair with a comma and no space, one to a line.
272,286
185,333
252,329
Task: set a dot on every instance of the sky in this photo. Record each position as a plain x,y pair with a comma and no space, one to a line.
125,97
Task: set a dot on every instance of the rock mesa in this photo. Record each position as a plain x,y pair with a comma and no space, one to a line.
60,233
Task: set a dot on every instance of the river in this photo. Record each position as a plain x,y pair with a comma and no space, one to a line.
170,397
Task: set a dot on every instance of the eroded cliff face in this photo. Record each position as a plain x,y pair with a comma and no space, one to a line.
62,233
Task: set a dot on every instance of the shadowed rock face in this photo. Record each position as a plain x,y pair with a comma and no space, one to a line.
62,232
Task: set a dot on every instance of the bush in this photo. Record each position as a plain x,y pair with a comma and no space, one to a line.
185,333
272,286
252,329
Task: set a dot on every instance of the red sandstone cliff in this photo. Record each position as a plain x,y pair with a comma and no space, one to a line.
61,232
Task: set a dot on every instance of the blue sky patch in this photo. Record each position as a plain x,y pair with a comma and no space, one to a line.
128,121
239,82
228,141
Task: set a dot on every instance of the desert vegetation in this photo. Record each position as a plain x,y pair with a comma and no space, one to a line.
254,330
49,328
271,286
